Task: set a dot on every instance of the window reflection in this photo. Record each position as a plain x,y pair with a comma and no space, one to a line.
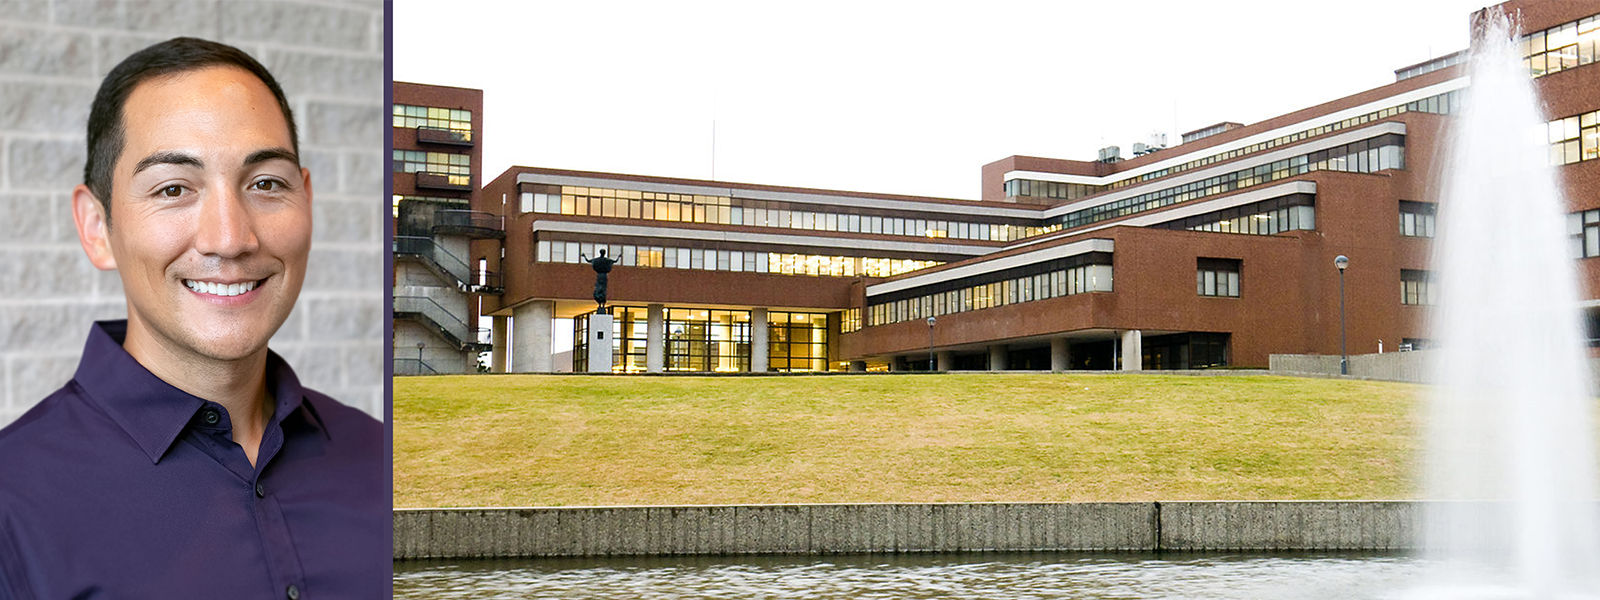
732,260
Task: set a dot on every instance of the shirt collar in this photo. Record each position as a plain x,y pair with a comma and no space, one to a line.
152,411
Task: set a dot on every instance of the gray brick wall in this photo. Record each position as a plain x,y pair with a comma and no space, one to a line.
327,55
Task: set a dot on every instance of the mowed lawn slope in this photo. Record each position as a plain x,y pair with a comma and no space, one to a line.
539,440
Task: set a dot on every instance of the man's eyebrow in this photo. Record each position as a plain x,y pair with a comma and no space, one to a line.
261,156
168,158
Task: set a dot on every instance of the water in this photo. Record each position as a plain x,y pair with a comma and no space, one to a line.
1509,439
910,577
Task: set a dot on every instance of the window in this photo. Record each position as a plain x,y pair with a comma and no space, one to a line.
458,167
1042,281
797,341
1562,47
1217,277
1573,139
707,340
1267,217
1584,228
411,117
1365,156
1416,219
850,320
1416,287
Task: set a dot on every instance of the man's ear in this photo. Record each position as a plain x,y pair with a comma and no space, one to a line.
93,232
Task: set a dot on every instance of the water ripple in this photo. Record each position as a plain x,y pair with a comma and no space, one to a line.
913,577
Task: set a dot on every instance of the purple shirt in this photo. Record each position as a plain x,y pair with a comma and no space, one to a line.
121,486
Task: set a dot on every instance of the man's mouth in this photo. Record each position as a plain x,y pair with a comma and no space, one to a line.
222,289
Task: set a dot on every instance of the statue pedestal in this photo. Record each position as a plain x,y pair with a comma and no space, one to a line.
600,343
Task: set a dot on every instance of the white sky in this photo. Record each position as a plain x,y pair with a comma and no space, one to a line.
892,97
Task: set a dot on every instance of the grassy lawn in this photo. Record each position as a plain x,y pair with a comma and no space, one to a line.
529,440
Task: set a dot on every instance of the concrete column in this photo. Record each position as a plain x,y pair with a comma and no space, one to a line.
858,366
602,330
947,360
531,326
1132,350
896,364
1060,356
655,358
497,337
758,340
997,357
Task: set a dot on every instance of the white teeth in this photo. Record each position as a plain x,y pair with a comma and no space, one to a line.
220,289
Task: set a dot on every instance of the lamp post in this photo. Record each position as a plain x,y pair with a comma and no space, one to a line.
1342,262
931,321
419,356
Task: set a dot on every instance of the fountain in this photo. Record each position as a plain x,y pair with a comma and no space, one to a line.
1510,458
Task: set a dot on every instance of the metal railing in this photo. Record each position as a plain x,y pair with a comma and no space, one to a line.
487,282
470,222
444,181
412,366
444,136
441,258
453,328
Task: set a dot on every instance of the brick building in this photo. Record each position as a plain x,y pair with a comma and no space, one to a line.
1217,251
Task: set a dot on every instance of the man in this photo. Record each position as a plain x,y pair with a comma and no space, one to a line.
184,459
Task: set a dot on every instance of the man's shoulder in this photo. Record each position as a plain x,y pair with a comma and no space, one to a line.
62,414
343,420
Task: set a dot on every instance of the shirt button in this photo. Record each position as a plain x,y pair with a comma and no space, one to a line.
212,416
261,492
293,592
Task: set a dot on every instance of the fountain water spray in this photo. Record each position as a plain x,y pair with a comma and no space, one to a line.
1510,464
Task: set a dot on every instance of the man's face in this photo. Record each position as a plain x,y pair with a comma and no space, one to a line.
211,213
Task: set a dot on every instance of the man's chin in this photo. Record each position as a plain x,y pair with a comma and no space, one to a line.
228,348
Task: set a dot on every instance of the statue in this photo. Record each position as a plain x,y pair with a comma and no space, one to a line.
602,265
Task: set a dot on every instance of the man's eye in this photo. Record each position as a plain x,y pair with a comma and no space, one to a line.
172,191
267,185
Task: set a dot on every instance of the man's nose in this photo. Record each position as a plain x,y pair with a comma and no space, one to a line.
226,227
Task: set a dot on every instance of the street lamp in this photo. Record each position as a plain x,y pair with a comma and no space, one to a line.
419,357
1342,262
931,321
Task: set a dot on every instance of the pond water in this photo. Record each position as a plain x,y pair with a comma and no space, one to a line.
918,576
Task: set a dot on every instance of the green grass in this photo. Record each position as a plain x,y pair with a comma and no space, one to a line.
525,440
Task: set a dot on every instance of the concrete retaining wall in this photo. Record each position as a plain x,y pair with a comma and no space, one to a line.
1288,526
1389,366
887,528
1413,367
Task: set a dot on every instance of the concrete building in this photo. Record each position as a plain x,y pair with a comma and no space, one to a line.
1215,252
438,151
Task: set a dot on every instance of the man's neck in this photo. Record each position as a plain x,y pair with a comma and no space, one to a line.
239,385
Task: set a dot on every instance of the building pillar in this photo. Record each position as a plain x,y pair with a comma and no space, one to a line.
947,360
497,337
1060,356
896,365
858,366
655,359
758,340
997,357
531,326
1132,350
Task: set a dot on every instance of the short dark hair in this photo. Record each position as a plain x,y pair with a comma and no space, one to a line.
173,56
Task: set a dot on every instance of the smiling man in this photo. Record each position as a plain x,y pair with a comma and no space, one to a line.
184,459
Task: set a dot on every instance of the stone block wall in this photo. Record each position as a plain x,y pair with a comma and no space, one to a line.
327,56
